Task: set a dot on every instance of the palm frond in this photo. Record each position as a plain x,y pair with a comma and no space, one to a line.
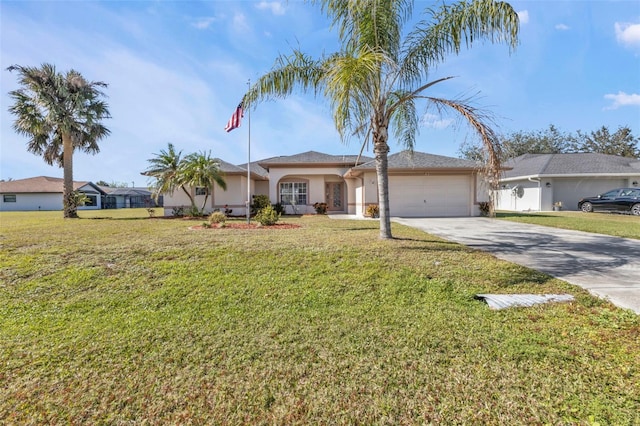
404,119
297,70
452,26
481,123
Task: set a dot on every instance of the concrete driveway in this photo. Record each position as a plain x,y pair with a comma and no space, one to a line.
608,267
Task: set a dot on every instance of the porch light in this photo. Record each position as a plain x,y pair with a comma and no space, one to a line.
548,184
634,183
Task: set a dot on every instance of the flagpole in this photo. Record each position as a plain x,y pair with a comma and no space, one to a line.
249,160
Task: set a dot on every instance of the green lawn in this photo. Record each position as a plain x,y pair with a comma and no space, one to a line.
618,225
141,321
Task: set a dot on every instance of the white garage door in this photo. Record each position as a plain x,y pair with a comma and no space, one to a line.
430,196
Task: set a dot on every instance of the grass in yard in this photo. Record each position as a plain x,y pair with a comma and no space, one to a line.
618,225
137,320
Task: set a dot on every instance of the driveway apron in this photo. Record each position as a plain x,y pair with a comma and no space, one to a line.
609,267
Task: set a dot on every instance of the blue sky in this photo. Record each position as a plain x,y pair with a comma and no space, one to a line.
177,70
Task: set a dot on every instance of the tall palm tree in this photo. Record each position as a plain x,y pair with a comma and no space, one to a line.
379,75
164,168
59,113
201,170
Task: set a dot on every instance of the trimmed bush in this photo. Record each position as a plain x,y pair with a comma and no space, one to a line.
321,208
217,217
372,211
267,216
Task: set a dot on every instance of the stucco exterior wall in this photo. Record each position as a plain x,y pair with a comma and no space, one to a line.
520,195
570,190
235,197
32,202
42,202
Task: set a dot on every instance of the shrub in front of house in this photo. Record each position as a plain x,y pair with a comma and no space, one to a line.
259,203
485,208
178,212
267,216
321,208
372,211
217,217
194,211
279,208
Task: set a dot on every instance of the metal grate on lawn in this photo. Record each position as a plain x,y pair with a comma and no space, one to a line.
503,301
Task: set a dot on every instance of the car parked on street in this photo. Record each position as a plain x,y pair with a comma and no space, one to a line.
620,200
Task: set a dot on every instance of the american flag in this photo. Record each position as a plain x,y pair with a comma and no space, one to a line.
236,118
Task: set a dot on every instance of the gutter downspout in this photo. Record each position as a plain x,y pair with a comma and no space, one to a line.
531,179
363,208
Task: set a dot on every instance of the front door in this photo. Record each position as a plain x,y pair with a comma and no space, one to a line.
334,196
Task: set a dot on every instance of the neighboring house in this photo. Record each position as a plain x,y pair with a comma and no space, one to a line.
538,182
44,193
420,185
119,198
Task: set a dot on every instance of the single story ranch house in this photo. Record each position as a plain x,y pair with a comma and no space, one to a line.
420,185
45,193
544,182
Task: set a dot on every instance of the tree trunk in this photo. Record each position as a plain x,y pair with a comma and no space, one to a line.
204,203
381,150
191,199
68,200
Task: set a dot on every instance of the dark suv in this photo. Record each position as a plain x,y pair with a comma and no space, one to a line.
622,200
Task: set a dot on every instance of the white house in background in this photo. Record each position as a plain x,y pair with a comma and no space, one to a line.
537,182
44,193
420,185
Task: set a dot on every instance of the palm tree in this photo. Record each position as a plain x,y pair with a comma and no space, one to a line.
201,170
171,171
59,113
375,81
165,169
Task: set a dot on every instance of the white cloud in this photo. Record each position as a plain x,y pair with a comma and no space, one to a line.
622,99
240,22
275,6
435,121
562,27
524,16
628,34
204,23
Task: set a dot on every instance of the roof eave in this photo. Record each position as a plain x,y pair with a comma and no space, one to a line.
569,175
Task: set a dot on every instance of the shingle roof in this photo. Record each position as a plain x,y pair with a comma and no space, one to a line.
421,160
230,168
126,191
256,169
571,164
39,184
312,157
